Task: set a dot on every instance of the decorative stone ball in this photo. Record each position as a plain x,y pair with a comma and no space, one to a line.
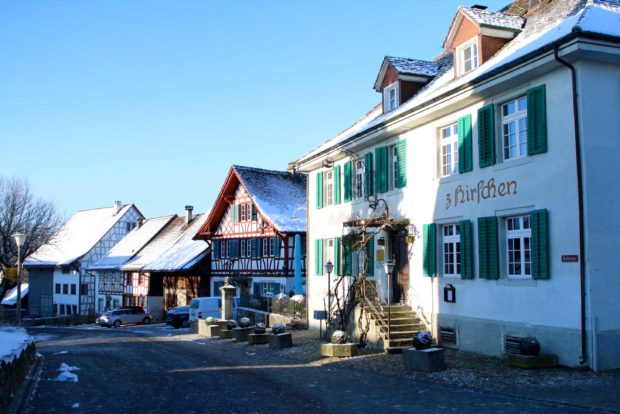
422,340
231,324
339,337
260,328
244,322
298,299
529,346
210,320
278,328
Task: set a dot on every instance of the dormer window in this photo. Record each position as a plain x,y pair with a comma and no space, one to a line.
390,97
468,56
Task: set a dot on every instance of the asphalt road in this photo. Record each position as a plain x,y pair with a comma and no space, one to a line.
154,369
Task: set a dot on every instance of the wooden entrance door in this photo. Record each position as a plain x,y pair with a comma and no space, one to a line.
400,275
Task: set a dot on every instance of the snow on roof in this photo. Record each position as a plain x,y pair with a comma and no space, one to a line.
492,18
279,195
594,16
131,244
157,246
185,253
11,296
413,66
77,236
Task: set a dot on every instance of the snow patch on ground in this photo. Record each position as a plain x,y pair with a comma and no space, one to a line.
66,374
12,342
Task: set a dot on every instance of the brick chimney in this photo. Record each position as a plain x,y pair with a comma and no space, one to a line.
188,213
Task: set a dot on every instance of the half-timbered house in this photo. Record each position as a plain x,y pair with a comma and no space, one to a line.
257,230
110,288
60,282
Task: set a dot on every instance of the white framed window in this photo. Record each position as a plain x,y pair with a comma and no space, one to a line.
268,288
390,97
449,143
514,128
242,209
328,188
266,247
467,56
244,249
358,189
392,167
518,246
451,250
224,249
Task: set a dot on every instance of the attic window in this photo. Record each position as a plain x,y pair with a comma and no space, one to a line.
390,97
467,56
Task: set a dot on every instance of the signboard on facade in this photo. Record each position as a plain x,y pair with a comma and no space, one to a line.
570,258
483,190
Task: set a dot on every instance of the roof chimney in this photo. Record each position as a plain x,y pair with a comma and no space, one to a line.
139,222
188,213
117,207
479,7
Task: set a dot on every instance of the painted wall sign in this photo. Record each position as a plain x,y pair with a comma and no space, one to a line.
484,190
570,258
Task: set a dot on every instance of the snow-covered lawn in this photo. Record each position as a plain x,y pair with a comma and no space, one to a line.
12,342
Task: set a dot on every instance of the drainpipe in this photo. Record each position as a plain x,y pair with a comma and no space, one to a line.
582,267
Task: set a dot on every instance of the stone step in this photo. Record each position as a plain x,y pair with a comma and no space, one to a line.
401,343
402,334
400,315
410,327
397,308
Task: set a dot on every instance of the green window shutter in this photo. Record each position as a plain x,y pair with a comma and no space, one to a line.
381,170
430,250
401,163
347,182
488,248
215,248
536,120
318,257
540,245
348,259
337,169
370,253
465,144
234,249
276,246
254,243
337,261
319,190
368,184
486,135
466,250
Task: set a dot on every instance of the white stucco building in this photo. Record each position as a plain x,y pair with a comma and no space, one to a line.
496,162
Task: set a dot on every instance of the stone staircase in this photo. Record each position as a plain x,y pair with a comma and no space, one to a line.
404,324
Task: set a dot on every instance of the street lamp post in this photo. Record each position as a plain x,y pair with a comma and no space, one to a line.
20,239
329,267
389,268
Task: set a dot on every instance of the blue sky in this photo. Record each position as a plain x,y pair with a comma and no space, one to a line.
151,102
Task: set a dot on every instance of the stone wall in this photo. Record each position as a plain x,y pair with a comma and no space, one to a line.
13,373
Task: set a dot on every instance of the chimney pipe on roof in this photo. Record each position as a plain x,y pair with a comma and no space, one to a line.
139,222
117,207
188,213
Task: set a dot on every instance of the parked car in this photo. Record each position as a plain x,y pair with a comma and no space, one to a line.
123,316
178,316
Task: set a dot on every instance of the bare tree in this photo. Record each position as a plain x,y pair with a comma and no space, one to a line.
21,211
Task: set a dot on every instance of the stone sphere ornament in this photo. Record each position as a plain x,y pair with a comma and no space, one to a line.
529,346
231,324
244,322
422,340
278,328
260,328
339,337
210,320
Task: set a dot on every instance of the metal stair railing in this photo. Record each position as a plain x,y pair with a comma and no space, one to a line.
371,300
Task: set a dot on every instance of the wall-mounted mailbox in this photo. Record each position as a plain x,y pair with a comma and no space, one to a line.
449,293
